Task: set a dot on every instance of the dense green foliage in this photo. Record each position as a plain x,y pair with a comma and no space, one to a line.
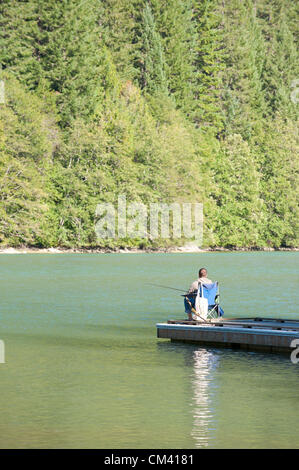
161,101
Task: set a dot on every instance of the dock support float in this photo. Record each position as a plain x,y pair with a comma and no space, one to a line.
262,335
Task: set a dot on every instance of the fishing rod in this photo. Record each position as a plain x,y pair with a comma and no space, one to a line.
166,287
181,290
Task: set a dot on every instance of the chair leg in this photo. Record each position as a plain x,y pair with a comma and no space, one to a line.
213,313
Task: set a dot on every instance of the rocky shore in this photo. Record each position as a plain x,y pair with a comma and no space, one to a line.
177,249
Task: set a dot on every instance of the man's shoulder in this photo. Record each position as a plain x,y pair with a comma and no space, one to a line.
205,280
194,286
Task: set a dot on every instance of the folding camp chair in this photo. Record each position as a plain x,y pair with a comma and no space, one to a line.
205,302
211,293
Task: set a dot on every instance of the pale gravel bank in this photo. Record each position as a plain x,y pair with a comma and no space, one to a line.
178,249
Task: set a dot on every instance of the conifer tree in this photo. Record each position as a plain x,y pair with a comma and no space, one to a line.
121,21
236,192
174,21
243,99
19,40
209,63
279,173
281,64
153,77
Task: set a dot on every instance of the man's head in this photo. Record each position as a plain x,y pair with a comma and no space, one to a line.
202,272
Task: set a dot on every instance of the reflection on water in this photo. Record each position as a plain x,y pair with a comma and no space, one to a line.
205,395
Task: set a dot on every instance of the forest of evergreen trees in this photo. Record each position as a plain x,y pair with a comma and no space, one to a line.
160,100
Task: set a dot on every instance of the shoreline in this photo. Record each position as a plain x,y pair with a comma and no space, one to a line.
177,249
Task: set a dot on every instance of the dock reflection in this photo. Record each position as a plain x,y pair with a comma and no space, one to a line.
202,366
205,364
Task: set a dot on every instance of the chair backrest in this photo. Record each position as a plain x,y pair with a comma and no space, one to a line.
209,291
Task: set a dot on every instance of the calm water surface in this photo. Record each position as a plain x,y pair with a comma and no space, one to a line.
84,368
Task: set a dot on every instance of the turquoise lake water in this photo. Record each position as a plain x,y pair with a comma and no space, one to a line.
84,369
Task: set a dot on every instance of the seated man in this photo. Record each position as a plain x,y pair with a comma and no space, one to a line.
189,301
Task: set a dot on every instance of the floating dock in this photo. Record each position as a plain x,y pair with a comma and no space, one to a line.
262,334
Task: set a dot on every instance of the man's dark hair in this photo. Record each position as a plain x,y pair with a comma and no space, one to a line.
201,270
